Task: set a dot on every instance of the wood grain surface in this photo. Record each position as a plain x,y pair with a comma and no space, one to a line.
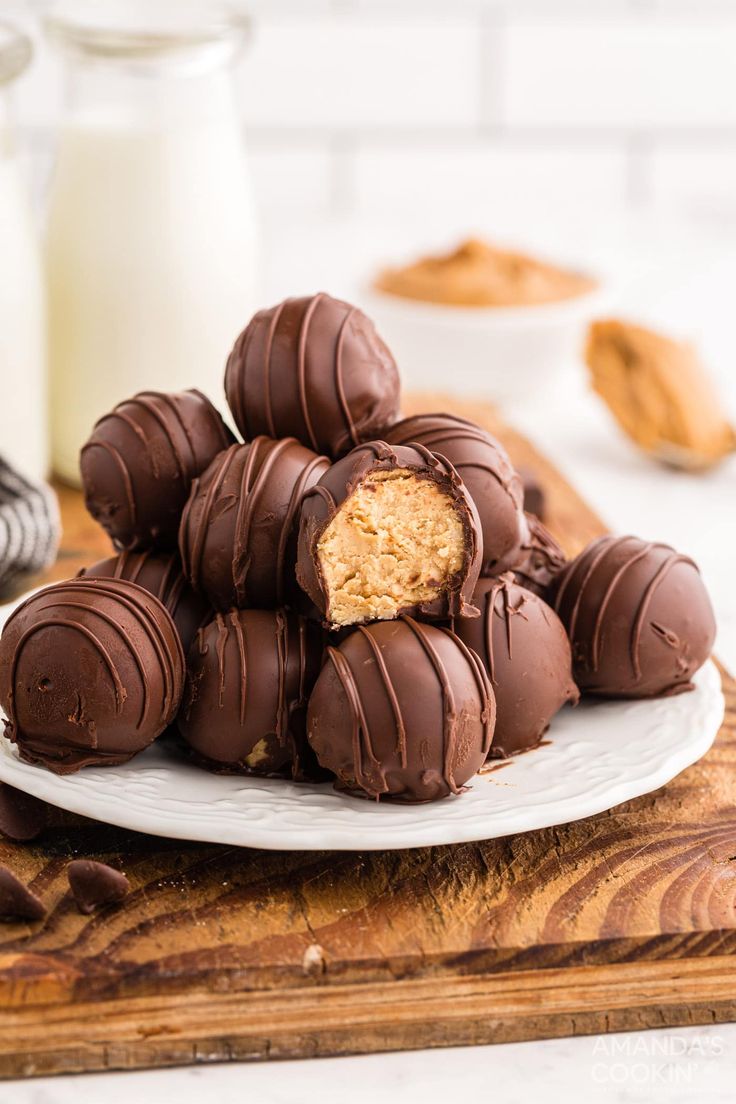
622,921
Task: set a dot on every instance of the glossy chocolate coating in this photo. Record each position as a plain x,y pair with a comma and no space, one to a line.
314,369
160,574
401,710
638,616
539,560
238,529
249,676
321,503
91,672
525,650
138,464
485,469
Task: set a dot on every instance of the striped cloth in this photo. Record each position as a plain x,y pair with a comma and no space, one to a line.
30,526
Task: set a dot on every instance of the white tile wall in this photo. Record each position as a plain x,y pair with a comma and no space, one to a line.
352,72
701,178
289,178
386,105
489,174
631,73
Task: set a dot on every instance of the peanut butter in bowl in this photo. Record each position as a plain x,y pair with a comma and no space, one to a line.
477,274
486,321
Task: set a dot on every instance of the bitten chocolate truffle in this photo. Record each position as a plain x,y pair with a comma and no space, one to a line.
539,560
139,463
485,469
91,672
160,574
314,369
238,530
638,616
525,650
401,710
389,530
250,673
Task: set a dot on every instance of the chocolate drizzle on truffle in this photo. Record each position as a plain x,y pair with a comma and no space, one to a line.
402,710
638,616
314,369
389,530
249,677
139,463
91,671
525,650
161,575
485,469
238,529
539,560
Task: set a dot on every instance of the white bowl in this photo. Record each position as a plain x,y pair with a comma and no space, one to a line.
505,354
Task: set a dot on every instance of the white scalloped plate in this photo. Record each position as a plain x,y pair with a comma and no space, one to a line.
599,754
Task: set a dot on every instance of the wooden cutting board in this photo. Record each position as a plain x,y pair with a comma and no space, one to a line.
622,921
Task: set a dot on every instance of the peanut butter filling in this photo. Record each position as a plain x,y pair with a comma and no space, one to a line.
395,542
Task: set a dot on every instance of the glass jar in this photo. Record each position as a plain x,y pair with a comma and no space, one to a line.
151,237
23,424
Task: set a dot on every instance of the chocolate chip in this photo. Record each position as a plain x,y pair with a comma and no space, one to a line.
17,902
22,816
95,883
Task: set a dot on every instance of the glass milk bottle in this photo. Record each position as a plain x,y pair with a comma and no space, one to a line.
23,428
151,235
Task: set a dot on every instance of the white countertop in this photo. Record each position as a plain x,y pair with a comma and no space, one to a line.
684,280
692,1065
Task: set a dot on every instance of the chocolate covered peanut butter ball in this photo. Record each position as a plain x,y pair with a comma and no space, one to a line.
539,559
91,672
249,676
160,574
638,617
525,651
238,530
314,369
401,710
140,460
